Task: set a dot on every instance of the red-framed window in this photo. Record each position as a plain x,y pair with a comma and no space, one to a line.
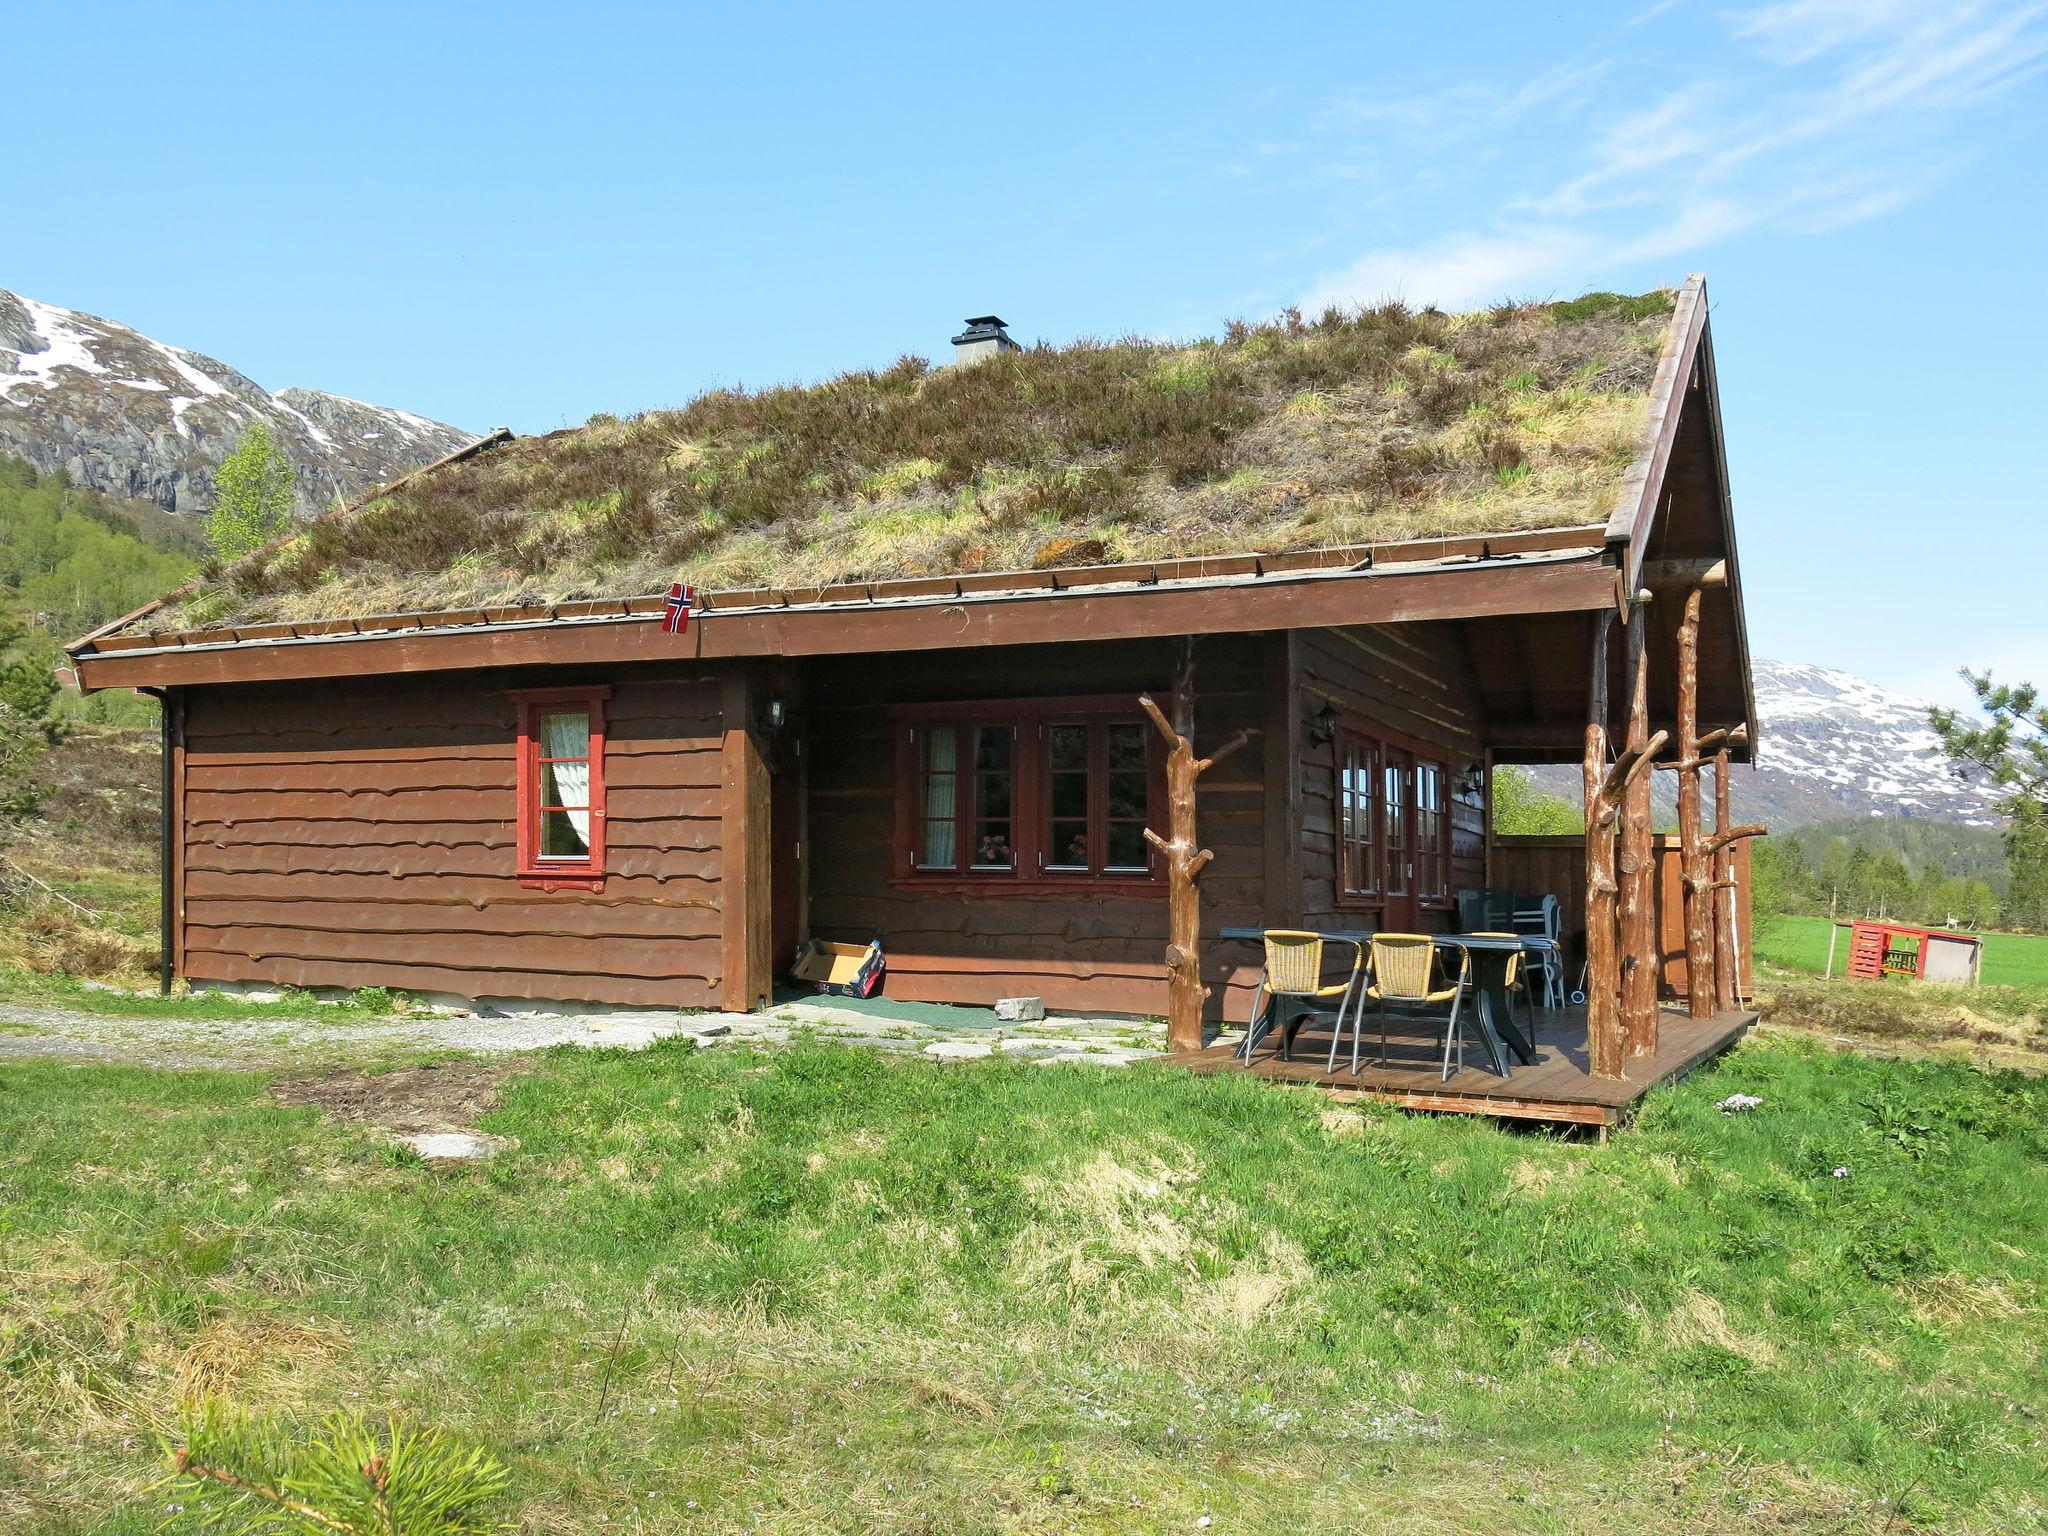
1023,793
1358,802
1393,821
1432,833
561,800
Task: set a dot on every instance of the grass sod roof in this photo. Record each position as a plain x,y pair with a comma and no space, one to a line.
1361,426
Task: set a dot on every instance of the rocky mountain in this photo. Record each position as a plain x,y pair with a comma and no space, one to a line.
124,414
1837,745
1833,746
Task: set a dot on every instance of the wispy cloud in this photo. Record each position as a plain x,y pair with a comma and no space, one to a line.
1827,113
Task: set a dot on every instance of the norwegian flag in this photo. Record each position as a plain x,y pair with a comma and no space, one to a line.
680,600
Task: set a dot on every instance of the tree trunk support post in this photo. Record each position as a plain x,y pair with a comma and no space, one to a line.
1607,785
1185,993
1695,876
1640,954
1721,848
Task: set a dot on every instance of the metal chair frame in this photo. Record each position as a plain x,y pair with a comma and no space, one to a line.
1266,1005
1377,989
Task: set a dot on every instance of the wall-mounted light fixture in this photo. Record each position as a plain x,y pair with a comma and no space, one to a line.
1323,727
1472,780
774,710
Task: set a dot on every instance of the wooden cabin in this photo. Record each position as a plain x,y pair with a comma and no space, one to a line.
555,797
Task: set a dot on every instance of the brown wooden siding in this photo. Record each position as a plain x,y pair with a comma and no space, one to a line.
1557,866
1077,949
1411,680
362,834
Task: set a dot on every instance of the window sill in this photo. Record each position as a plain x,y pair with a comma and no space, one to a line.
562,879
1030,885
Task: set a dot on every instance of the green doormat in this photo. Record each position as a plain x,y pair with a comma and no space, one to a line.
935,1015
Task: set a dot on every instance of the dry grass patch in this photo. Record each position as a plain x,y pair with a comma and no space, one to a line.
1700,1319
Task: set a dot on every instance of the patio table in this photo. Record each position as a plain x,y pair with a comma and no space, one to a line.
1489,959
1489,962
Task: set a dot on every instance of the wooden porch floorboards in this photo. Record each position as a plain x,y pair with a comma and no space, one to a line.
1556,1087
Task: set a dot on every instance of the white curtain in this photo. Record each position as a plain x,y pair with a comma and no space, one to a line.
569,736
941,832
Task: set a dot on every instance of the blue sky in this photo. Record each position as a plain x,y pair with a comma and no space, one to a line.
526,214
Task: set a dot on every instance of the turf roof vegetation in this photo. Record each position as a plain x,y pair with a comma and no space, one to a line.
1366,425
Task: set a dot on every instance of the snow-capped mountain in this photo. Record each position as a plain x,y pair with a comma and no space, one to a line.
1838,745
1832,745
121,413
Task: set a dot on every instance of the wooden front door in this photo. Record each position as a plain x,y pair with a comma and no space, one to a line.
1397,813
786,862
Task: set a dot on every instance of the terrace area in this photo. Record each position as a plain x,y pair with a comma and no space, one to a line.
1558,1087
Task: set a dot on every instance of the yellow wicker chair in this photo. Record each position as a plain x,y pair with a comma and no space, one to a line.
1294,969
1406,971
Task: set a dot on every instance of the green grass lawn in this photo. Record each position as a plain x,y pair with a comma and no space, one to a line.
821,1289
1801,944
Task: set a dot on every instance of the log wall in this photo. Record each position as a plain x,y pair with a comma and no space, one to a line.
1078,949
362,833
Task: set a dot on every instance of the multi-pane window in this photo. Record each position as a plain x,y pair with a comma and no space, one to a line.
561,801
1393,823
1432,835
1058,790
967,797
1398,829
1358,771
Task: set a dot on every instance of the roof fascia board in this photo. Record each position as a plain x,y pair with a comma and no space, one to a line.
1725,510
1559,582
1635,506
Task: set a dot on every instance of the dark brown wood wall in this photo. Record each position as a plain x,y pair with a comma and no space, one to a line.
361,833
1410,680
1077,949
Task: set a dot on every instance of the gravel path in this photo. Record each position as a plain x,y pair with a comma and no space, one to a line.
234,1037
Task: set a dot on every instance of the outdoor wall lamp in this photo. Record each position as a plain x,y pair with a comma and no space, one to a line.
1324,729
774,710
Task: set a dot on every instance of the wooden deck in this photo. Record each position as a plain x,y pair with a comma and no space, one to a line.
1556,1087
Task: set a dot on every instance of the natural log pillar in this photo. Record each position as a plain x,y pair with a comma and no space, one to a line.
1640,949
1185,993
1725,983
1607,786
1604,1043
1692,846
1727,937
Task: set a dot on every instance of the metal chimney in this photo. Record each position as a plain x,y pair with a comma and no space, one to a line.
983,338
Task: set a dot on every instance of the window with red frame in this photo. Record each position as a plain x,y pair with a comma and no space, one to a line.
1393,824
1053,791
1358,793
1432,834
561,787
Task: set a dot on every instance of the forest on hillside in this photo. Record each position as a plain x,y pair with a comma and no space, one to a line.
70,560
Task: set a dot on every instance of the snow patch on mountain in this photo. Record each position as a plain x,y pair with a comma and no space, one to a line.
126,414
1834,744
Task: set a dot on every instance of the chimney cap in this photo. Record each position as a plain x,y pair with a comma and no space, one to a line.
983,328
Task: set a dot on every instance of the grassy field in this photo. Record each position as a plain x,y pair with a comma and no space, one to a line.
819,1289
1801,944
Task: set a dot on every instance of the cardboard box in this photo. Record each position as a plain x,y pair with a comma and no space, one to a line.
839,970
